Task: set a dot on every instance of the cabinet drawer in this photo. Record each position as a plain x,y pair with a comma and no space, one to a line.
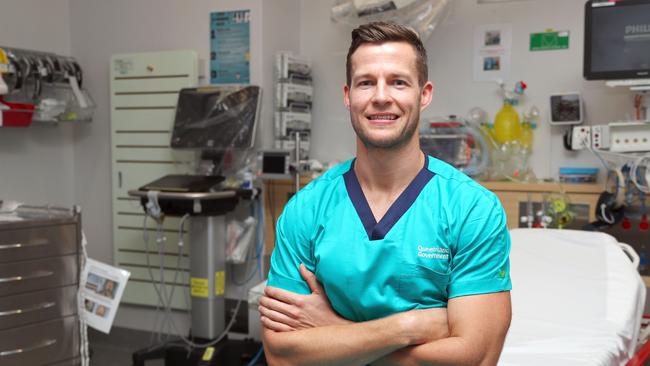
40,344
37,242
27,276
34,307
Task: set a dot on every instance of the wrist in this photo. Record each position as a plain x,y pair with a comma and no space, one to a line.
405,323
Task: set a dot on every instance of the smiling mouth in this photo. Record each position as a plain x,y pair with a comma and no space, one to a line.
382,117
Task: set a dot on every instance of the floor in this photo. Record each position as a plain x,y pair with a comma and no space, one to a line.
117,348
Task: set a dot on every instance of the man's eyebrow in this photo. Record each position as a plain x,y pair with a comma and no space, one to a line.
362,76
394,75
399,75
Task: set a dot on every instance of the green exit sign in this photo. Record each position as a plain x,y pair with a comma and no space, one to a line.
547,41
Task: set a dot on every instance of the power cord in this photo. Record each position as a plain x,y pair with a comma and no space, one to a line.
153,209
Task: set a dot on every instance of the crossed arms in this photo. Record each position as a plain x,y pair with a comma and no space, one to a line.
305,330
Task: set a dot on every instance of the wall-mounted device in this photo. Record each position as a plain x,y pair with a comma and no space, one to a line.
600,139
616,40
629,136
566,109
274,164
580,137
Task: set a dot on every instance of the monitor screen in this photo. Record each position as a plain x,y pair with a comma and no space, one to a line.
216,118
617,39
566,108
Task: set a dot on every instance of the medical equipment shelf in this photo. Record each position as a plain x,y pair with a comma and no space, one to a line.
194,203
187,195
542,187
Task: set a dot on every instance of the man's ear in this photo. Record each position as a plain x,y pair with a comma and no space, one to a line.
346,96
426,96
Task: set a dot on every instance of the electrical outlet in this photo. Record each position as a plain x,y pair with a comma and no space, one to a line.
600,139
581,137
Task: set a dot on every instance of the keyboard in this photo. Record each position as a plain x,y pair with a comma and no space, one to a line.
628,82
183,183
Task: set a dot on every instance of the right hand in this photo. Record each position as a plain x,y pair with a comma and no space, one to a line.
284,311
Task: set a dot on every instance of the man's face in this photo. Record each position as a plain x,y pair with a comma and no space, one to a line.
384,97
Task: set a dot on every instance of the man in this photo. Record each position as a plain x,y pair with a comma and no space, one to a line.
393,258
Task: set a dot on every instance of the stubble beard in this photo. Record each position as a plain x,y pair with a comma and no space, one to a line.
387,144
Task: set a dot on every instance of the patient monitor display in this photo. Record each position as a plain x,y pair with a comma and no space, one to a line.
216,118
617,39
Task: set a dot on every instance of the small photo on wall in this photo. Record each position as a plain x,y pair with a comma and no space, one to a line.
492,38
492,63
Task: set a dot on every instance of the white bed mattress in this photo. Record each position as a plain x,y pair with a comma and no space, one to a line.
576,300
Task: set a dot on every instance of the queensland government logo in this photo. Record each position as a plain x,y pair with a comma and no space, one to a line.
433,252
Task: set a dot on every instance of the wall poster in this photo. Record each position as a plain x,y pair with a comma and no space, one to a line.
230,47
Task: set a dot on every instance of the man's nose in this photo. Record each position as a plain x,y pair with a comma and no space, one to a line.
381,94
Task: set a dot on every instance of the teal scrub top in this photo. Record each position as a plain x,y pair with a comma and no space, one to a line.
445,236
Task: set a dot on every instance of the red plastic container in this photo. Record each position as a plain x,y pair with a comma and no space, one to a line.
16,114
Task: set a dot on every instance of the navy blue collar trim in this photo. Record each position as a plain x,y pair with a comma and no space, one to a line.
377,231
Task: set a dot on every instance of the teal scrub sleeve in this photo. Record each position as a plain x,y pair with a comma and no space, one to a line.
481,263
292,247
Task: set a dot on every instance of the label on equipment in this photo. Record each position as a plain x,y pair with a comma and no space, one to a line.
199,287
219,283
207,355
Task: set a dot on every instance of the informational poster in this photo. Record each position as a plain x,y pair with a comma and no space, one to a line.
492,50
230,47
102,286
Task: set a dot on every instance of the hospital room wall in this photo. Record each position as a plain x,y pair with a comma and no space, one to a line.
37,163
103,28
450,50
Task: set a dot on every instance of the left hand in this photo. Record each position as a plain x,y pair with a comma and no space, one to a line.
284,311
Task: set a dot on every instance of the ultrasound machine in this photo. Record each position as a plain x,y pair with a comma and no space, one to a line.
219,123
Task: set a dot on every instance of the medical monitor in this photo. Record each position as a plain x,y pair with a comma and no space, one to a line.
617,39
216,117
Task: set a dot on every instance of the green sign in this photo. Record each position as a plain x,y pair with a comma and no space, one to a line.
547,41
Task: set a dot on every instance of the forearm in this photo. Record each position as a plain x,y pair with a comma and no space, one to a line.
477,330
351,344
446,351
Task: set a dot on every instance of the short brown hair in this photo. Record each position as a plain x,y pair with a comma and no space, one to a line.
380,32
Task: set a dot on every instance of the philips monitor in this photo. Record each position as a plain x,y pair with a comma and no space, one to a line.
216,118
617,39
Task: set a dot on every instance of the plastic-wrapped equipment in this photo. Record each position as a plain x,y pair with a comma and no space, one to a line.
455,142
218,118
421,15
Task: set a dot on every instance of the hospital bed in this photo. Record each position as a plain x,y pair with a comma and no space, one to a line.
577,299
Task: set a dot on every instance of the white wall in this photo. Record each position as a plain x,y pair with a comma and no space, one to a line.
450,52
102,28
37,163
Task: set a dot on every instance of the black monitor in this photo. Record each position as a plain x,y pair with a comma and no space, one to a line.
216,117
617,39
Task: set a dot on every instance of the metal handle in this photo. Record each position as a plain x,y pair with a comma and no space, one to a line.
33,243
27,277
119,179
43,344
41,306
